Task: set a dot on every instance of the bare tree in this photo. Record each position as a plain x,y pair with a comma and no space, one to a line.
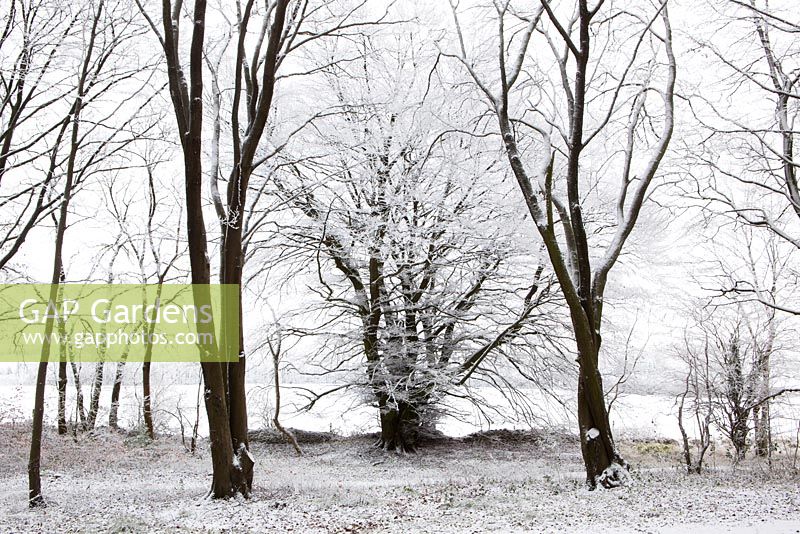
746,168
698,392
275,345
37,35
35,497
751,275
594,108
153,248
88,139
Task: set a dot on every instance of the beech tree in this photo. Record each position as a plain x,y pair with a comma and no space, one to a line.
408,243
595,99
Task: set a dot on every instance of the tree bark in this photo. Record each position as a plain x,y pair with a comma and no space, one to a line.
147,406
113,413
94,401
603,463
400,426
62,398
79,407
763,432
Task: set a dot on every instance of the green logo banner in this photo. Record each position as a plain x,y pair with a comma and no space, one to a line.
119,322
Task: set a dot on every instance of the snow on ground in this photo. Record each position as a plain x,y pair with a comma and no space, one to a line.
121,483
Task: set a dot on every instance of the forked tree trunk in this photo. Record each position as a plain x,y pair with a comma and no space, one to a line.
400,426
227,422
603,463
227,479
233,257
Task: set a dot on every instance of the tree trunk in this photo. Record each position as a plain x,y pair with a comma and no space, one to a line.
237,396
739,431
761,415
76,378
276,415
94,401
228,479
35,497
232,264
400,426
62,397
62,375
603,463
113,412
147,407
763,432
147,395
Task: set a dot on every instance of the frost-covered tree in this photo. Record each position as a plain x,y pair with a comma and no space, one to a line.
724,353
404,219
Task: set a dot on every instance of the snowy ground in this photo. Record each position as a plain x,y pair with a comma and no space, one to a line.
113,483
